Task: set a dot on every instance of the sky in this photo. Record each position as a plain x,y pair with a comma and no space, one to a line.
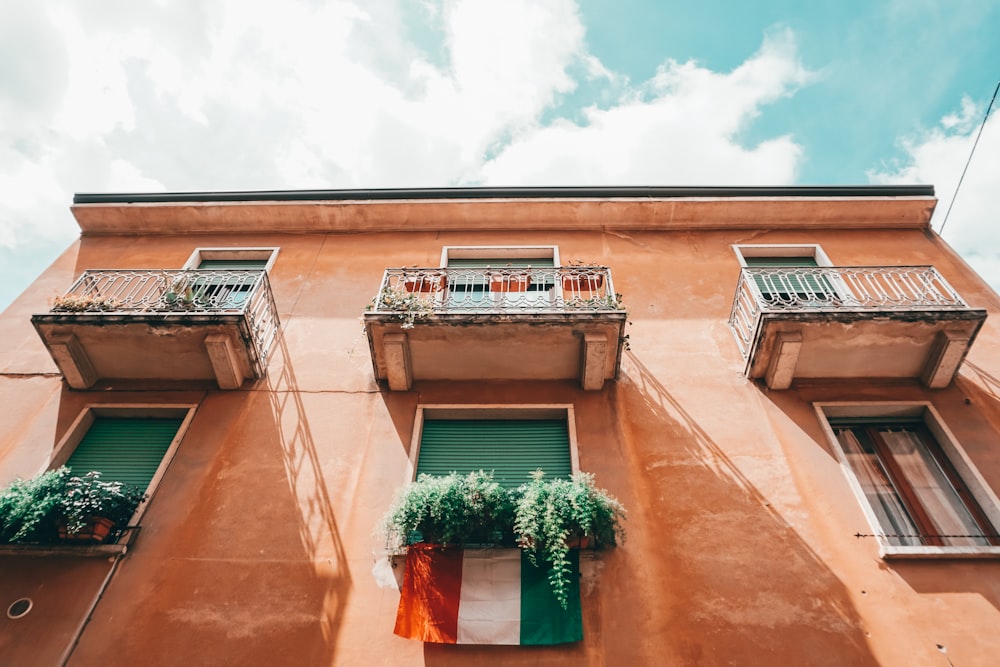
191,95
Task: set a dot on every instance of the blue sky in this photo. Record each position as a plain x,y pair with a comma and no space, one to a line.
237,94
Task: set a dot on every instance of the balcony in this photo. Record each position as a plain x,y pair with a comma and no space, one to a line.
861,322
162,325
496,324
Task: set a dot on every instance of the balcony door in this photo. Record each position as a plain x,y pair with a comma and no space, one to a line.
804,287
501,282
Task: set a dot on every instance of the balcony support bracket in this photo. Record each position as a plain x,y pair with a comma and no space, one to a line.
398,367
781,370
72,361
594,361
225,362
944,359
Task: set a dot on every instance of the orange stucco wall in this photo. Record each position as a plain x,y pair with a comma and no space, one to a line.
258,546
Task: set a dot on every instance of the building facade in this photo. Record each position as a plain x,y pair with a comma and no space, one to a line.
795,392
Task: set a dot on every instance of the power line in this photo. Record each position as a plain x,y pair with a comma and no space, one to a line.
974,144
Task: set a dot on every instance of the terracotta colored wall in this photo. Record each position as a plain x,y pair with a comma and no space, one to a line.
258,546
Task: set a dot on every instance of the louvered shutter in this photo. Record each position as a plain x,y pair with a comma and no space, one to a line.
808,287
124,450
512,449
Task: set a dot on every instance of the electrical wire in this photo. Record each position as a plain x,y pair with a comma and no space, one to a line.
974,144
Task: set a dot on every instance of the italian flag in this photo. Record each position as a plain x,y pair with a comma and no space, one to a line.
484,596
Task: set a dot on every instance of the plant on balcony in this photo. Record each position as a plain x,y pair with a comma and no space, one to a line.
553,515
76,303
178,292
453,509
90,502
408,307
57,506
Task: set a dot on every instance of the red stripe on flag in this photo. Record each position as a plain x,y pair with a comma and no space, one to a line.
432,586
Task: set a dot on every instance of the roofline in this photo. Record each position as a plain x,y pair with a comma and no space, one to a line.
611,192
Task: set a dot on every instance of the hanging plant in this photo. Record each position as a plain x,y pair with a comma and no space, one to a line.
551,515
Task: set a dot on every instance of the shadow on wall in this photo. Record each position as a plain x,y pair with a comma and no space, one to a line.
709,574
738,585
240,560
307,486
977,399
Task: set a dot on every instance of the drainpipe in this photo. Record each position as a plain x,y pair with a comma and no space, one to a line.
68,653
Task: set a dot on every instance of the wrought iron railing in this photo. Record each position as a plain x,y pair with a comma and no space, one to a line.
836,289
426,291
116,292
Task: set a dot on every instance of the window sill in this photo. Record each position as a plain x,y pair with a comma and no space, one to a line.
119,548
897,552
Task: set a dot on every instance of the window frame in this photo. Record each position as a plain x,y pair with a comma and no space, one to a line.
499,252
814,250
85,419
956,456
251,253
509,289
838,288
490,411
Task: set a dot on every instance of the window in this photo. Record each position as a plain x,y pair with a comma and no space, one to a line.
130,444
229,290
510,442
503,284
814,287
921,493
494,596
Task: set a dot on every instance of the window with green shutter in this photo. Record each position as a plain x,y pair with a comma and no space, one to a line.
801,285
127,450
511,449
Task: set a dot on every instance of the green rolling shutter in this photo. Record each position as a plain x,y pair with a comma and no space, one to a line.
512,449
808,287
124,450
233,264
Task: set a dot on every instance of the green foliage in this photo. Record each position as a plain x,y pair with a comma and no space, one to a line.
454,509
31,510
551,512
408,306
89,496
544,516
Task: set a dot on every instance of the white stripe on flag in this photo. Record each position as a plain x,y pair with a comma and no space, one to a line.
489,608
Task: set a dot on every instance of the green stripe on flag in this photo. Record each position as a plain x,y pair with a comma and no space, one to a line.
543,620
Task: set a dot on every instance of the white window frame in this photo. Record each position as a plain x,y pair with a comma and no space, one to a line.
491,411
814,250
78,429
199,254
500,252
781,250
974,481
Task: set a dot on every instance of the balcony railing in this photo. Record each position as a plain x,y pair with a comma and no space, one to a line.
854,289
175,294
500,290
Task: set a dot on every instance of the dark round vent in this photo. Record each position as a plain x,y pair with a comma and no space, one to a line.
19,608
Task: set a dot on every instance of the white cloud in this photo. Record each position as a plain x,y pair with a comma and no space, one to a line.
682,127
245,94
938,157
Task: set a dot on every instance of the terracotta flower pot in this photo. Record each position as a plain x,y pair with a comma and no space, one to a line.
96,531
434,283
509,283
584,283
